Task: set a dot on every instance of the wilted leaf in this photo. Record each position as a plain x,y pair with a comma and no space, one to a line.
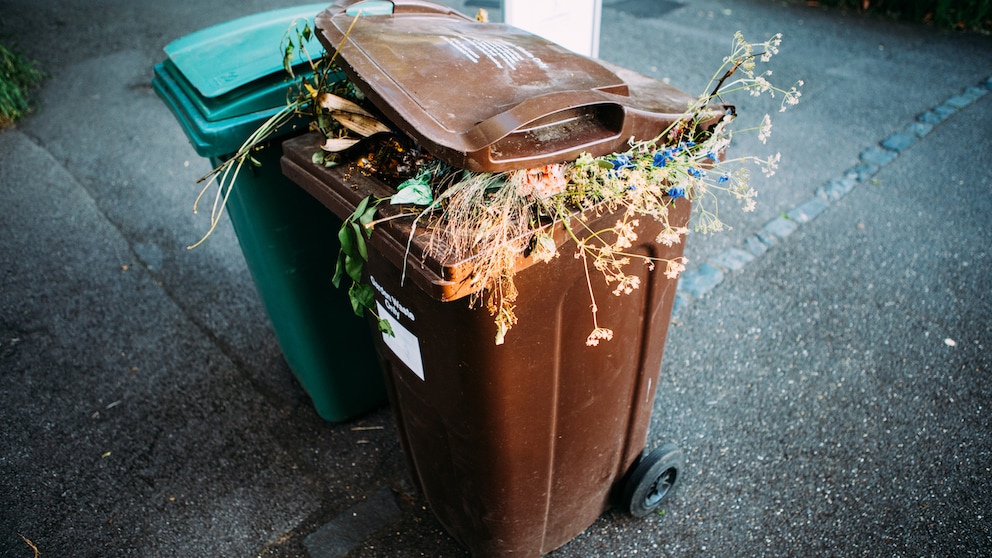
364,126
544,247
501,330
335,103
336,145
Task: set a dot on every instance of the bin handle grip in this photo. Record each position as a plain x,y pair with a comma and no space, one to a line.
602,118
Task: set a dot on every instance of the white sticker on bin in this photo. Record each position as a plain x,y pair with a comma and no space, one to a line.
403,343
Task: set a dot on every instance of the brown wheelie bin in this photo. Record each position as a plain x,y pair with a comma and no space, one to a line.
517,447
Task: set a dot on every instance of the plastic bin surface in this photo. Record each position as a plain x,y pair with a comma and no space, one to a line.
223,82
518,448
289,242
209,138
521,101
229,55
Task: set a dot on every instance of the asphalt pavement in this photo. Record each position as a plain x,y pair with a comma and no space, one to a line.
827,374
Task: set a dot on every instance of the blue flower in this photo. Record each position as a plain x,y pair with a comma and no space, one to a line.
724,179
712,156
696,173
676,193
665,156
622,162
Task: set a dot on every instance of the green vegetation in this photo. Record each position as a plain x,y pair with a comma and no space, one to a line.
974,15
17,76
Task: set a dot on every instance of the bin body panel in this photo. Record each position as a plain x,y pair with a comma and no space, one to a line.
517,447
290,245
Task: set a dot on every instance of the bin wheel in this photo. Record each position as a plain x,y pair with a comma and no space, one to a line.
653,478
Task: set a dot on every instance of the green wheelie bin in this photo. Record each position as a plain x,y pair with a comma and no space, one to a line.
222,83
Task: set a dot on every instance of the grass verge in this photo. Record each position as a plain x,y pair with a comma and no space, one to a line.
17,77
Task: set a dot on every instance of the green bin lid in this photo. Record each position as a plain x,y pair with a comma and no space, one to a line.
218,138
230,65
214,139
223,82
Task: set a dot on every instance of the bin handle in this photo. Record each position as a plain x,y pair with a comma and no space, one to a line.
555,123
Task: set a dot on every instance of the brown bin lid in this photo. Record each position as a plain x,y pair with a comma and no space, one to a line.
488,96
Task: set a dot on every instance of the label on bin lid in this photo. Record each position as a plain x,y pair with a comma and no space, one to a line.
229,55
488,96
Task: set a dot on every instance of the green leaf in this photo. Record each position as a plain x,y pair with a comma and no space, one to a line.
353,255
307,33
362,297
361,209
353,266
367,218
386,327
287,58
347,239
339,270
350,258
356,305
363,251
323,121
